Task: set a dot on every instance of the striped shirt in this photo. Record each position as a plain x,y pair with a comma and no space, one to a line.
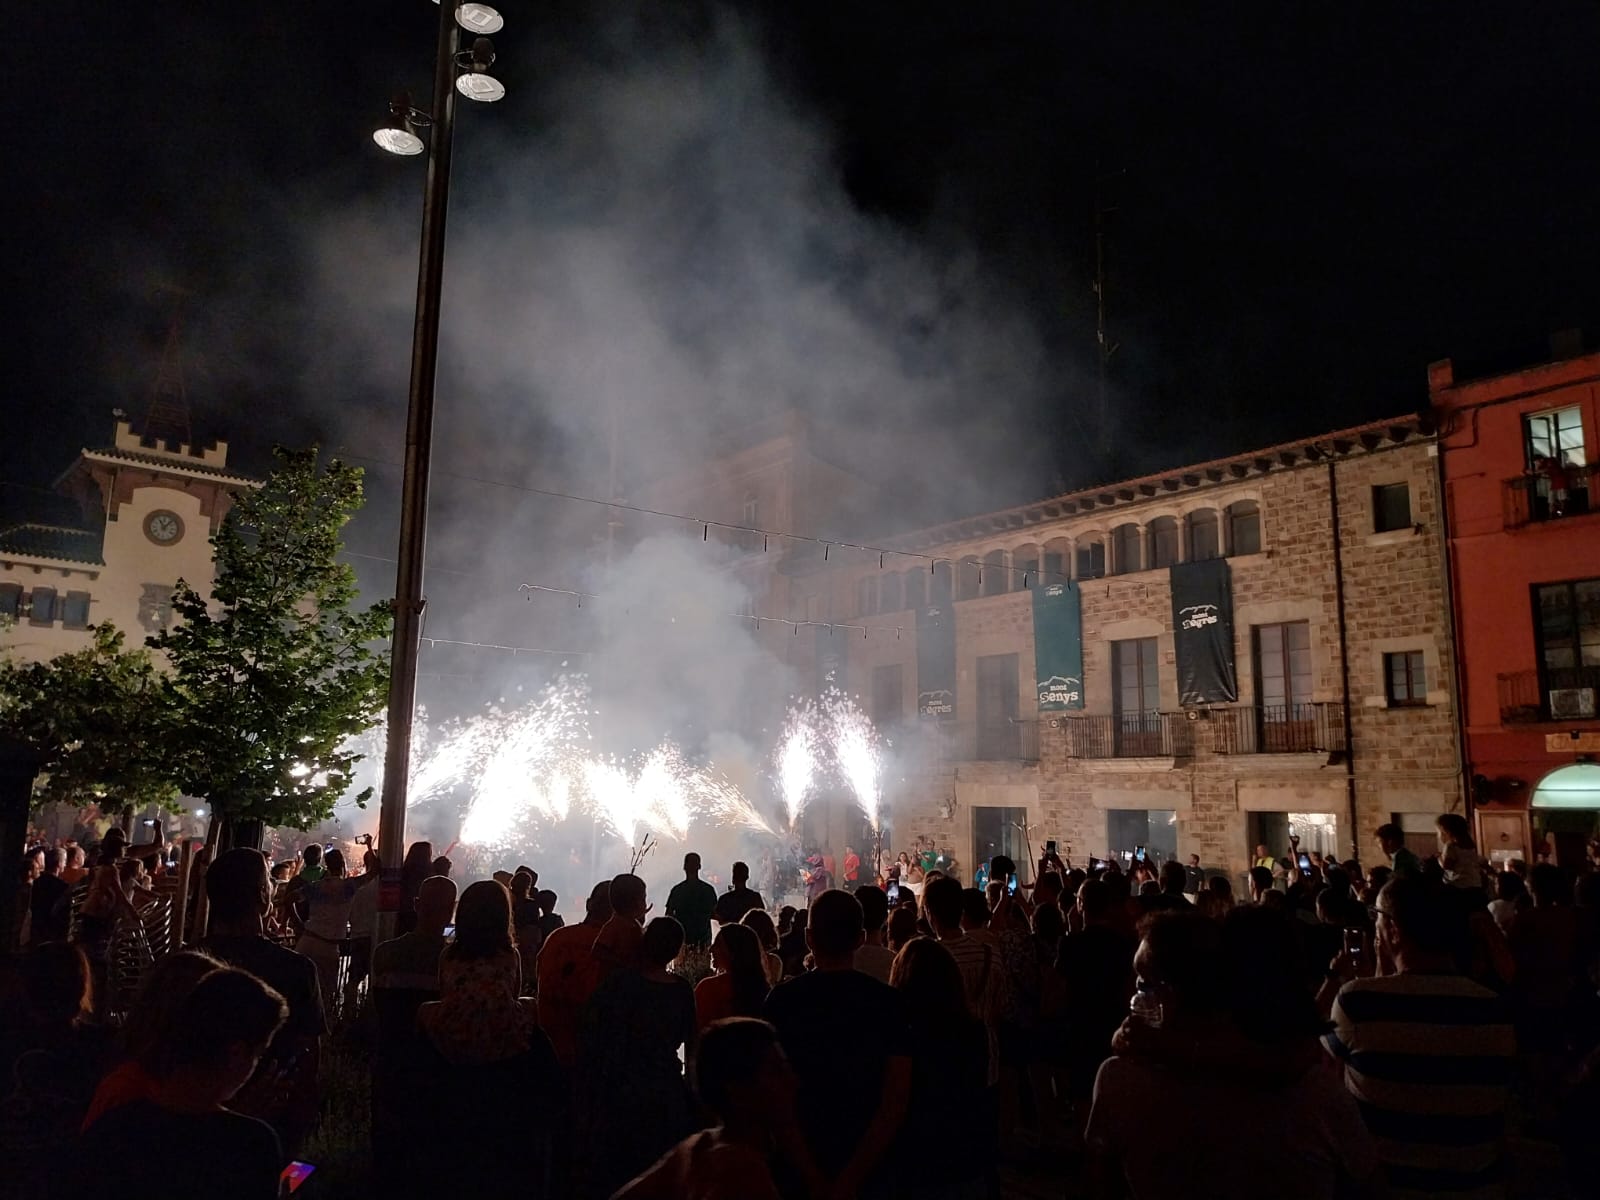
1428,1059
983,975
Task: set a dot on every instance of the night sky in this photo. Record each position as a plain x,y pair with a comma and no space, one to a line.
1311,201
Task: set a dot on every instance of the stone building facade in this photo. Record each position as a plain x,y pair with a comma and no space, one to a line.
1344,718
124,523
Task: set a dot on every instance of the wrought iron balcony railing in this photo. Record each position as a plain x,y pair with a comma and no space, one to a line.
1554,694
1307,728
1542,496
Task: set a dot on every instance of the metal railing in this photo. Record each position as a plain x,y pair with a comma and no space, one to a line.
1125,735
1002,739
1525,695
1538,497
1308,728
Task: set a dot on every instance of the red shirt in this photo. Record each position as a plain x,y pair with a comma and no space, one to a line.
852,864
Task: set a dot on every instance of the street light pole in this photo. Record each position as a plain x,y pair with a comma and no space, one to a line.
408,598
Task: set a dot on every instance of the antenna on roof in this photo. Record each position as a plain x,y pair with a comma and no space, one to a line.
166,416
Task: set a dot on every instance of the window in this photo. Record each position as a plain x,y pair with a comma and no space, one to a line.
1405,679
996,579
1554,435
1244,528
10,600
1125,549
752,509
970,571
1091,559
1137,675
42,607
999,736
1391,507
1283,667
1025,564
939,585
1205,539
916,589
999,831
889,593
866,593
888,696
1163,542
75,610
1569,628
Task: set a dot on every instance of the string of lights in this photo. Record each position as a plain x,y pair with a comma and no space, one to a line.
767,536
756,619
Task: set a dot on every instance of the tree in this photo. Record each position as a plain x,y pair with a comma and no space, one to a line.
273,675
95,718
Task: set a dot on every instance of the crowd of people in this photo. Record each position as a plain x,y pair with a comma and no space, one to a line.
1336,1030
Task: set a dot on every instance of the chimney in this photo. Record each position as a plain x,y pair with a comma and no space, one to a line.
1565,344
1441,375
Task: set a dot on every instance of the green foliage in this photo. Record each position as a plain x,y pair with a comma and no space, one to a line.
95,717
274,675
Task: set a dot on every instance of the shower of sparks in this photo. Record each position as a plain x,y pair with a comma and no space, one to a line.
797,763
525,752
855,752
722,803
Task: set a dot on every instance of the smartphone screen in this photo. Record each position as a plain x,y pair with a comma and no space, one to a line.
295,1174
1305,862
1354,941
1012,886
449,931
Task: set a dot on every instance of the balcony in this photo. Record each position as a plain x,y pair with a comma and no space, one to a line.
1127,735
1536,499
1315,728
1555,694
1005,739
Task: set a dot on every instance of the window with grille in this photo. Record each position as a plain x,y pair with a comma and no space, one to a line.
1405,678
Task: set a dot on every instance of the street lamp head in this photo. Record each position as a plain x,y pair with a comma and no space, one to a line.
397,135
479,18
475,82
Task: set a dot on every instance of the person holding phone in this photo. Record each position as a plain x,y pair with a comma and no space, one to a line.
203,1056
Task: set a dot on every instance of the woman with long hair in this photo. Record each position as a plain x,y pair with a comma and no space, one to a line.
481,1015
759,920
418,865
739,987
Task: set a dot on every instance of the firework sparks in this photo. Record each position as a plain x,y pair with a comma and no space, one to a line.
855,752
797,764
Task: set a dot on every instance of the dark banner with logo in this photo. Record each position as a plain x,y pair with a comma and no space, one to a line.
936,662
831,653
1202,631
1058,646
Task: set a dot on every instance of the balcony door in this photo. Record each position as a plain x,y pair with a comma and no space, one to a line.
1137,698
1283,686
999,736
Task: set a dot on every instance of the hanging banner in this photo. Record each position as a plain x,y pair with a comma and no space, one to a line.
936,662
1202,629
830,656
1058,646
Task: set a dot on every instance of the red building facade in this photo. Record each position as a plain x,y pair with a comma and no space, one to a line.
1520,456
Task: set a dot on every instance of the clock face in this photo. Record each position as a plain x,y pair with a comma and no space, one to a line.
163,527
